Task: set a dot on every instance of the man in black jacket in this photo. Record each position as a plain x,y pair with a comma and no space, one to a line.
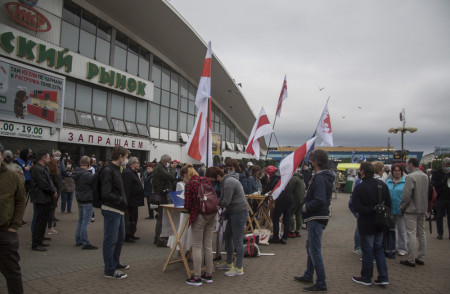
163,178
135,194
364,199
282,207
83,191
315,212
42,193
114,204
441,182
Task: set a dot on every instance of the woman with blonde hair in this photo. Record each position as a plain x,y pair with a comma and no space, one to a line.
202,226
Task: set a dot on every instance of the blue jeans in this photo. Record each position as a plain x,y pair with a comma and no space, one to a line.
372,247
356,238
66,199
113,239
84,219
314,250
234,235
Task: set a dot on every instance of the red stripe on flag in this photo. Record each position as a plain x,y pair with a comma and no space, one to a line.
263,120
206,72
250,147
194,148
299,154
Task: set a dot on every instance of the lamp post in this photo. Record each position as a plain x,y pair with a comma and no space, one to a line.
402,129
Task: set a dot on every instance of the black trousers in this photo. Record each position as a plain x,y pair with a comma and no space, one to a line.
9,261
442,209
42,215
132,217
158,227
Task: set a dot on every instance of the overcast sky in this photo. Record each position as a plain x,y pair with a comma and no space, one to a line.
373,58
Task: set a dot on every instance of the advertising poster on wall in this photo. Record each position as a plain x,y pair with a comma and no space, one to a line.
217,144
29,95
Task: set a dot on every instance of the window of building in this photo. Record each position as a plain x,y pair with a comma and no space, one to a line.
117,106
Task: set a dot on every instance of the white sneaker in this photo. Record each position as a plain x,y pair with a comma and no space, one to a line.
52,231
235,272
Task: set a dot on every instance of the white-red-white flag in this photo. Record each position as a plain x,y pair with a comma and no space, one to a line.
261,128
324,128
289,165
199,146
283,96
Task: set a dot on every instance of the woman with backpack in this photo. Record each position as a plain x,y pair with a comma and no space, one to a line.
234,207
202,225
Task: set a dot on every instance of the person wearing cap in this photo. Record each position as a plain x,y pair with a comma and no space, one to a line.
147,177
12,208
283,205
441,182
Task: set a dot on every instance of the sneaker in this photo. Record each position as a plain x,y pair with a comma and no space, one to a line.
89,247
303,280
357,251
291,235
194,282
117,275
297,234
315,288
225,266
92,220
52,231
235,272
359,280
402,253
381,283
122,267
207,279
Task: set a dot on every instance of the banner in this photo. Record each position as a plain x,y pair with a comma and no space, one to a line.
30,95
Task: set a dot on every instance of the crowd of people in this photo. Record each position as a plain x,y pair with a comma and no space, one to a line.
121,185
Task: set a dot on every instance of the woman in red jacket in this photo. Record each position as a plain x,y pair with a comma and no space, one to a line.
202,226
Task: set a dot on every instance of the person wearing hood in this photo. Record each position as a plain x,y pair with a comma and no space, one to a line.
298,188
83,191
12,208
282,205
315,212
234,207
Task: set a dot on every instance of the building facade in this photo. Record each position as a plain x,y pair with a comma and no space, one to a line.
83,76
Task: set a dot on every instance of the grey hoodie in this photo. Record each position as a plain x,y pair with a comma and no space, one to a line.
83,184
232,197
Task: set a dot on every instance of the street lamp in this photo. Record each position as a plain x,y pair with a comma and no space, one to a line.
402,129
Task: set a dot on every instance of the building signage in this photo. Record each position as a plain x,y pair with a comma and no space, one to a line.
28,17
30,95
85,137
25,131
37,52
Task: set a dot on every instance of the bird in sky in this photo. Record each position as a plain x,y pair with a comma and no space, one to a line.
321,88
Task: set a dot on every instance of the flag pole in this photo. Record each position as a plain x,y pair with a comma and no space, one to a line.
270,140
278,144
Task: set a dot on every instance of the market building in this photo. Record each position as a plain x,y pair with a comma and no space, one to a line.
83,76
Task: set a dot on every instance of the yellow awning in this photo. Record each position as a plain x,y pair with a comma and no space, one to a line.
345,166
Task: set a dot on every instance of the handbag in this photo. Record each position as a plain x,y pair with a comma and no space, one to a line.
155,198
383,217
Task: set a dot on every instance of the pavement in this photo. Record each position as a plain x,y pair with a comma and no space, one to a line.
65,268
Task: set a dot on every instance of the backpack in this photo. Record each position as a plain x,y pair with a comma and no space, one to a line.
96,189
383,218
208,200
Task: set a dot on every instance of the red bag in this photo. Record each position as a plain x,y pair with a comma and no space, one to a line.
208,200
